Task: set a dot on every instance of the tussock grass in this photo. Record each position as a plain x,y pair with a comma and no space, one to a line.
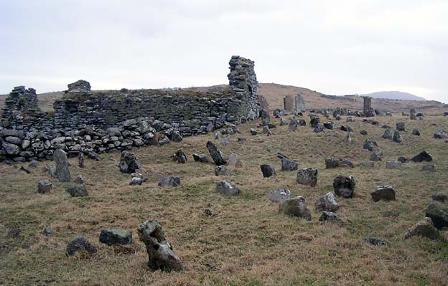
246,242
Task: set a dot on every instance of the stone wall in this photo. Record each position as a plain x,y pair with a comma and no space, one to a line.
21,108
190,108
98,121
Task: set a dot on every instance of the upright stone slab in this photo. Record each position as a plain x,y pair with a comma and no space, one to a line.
368,110
62,171
299,103
412,114
289,103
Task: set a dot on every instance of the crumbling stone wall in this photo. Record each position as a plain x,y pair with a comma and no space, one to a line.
187,107
20,107
97,121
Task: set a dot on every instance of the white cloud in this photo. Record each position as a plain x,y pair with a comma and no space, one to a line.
337,47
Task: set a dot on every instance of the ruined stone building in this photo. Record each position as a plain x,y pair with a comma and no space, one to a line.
116,119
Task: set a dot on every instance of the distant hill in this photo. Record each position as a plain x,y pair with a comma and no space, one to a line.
274,94
394,95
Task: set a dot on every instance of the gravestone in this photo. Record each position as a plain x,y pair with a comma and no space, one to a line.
61,171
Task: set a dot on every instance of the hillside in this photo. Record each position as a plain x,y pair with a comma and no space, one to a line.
394,95
239,240
274,94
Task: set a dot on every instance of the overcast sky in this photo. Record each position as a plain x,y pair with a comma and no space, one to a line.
336,47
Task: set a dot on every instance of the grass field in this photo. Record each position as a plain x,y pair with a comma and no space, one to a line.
246,242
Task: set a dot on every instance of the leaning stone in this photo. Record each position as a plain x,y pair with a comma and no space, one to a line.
393,165
76,190
423,228
279,195
169,181
115,236
160,252
128,163
385,193
44,186
344,186
438,212
422,157
62,171
226,188
307,176
215,154
327,203
267,170
295,207
80,244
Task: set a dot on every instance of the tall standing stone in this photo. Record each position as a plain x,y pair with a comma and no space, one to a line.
289,103
368,110
215,154
413,113
299,103
62,171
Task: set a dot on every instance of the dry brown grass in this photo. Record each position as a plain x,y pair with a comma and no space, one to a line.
248,242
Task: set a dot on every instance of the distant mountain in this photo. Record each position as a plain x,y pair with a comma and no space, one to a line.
394,95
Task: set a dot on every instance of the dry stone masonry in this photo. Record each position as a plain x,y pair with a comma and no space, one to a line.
93,122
